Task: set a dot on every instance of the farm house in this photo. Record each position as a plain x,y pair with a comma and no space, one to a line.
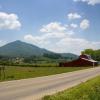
83,60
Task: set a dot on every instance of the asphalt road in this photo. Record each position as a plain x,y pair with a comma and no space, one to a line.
36,88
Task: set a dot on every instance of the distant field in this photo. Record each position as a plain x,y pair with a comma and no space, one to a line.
14,73
89,90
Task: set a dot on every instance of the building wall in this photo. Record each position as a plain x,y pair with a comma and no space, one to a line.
78,63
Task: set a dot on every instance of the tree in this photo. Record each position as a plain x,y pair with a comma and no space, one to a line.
95,54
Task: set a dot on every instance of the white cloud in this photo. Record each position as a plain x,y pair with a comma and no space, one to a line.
73,25
51,32
89,2
53,26
64,44
61,40
34,39
9,21
47,37
55,29
84,24
75,45
2,43
73,16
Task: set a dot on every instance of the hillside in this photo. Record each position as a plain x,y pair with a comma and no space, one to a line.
22,49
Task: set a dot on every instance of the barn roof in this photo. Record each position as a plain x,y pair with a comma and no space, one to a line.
91,60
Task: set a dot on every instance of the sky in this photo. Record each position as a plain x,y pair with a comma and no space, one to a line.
64,26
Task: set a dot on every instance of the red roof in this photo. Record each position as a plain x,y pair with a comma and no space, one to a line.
83,60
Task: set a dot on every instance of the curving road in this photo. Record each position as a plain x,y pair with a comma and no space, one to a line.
36,88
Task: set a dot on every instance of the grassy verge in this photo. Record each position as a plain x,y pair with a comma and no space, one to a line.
89,90
14,73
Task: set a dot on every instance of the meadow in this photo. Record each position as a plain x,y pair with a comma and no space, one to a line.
16,72
89,90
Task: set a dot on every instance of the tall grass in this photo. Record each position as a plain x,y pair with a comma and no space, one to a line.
89,90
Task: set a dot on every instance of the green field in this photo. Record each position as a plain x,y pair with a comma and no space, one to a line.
14,73
89,90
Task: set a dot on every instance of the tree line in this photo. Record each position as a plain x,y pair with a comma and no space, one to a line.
95,54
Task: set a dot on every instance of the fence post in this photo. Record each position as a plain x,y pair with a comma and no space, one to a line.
2,71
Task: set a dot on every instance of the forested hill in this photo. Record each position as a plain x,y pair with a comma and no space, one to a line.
22,49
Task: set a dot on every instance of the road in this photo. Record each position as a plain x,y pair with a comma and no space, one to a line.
36,88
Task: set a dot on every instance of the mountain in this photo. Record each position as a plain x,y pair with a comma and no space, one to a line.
22,49
69,55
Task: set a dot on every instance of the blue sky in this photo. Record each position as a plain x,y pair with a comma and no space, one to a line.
57,25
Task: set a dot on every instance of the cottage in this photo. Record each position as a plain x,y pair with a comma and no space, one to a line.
83,60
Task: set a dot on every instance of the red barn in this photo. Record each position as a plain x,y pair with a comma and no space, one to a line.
83,60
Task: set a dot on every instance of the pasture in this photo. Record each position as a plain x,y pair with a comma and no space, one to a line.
17,72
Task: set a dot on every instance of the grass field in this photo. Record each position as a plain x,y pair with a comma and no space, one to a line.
89,90
14,73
